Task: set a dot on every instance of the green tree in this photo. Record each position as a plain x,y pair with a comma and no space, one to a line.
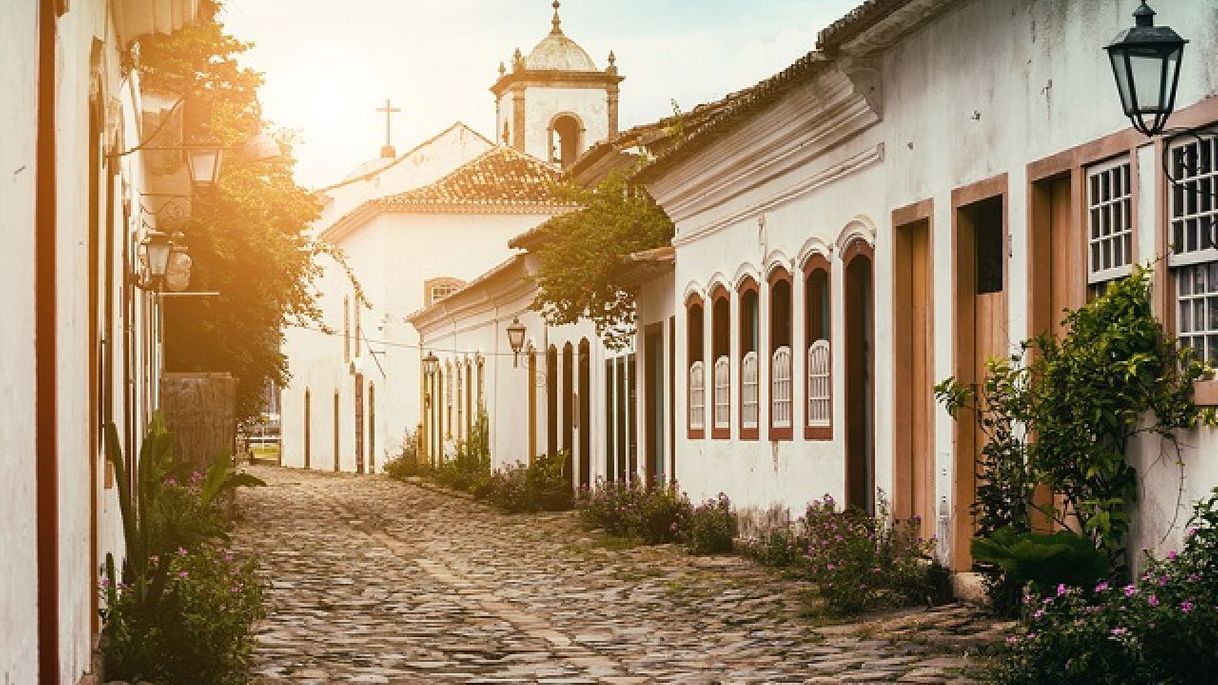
582,252
246,236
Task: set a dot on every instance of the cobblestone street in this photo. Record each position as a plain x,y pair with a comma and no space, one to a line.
375,581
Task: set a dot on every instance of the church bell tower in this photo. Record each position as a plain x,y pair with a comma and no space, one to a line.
554,103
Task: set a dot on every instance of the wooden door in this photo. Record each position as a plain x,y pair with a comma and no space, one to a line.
653,402
308,422
981,334
359,423
914,473
585,413
860,452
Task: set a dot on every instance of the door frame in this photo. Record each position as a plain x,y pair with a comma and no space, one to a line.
964,456
653,401
858,248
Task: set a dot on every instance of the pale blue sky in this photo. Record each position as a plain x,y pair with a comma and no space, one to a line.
330,63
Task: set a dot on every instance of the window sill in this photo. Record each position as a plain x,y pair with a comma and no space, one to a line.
721,433
1205,393
818,432
748,434
780,434
696,434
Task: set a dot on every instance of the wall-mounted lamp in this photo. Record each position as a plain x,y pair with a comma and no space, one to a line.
516,333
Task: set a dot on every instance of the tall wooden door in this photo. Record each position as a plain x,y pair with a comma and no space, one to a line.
981,334
860,447
653,402
359,423
913,362
585,413
308,424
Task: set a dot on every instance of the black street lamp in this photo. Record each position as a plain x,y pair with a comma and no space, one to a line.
1146,65
516,333
156,249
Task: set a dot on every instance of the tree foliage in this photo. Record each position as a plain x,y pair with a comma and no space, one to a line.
582,252
246,236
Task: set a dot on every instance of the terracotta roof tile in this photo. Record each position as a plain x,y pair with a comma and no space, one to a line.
499,177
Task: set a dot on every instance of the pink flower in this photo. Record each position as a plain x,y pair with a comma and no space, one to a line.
1119,632
1153,601
1061,589
183,574
1186,607
1102,587
1130,590
1172,555
181,551
104,582
1038,613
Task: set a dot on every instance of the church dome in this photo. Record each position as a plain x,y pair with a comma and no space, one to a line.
557,52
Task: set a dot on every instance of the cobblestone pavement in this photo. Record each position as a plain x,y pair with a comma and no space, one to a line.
375,581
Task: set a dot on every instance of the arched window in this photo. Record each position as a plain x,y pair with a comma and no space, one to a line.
780,354
566,133
696,400
469,398
818,405
448,400
749,324
721,340
460,405
568,401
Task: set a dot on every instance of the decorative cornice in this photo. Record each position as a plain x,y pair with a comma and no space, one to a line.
789,135
555,79
826,176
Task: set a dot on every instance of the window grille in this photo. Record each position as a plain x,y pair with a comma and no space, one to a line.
820,386
723,387
748,390
1194,256
780,388
1110,221
697,396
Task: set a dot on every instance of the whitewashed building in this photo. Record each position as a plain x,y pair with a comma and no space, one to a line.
929,187
80,345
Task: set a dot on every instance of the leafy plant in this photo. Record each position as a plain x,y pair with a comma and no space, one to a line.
778,547
1161,628
711,527
656,515
539,486
1043,559
1078,403
180,610
859,561
470,468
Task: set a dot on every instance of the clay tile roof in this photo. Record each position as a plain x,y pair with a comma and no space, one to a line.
859,19
714,120
499,177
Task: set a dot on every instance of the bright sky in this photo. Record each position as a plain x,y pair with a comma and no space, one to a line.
330,63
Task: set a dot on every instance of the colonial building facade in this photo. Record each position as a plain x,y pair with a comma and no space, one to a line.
80,344
933,184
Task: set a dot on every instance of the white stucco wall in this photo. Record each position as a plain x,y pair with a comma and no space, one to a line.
392,256
18,566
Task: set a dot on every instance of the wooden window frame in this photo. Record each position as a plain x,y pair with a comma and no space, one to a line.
749,285
779,274
817,262
695,300
719,294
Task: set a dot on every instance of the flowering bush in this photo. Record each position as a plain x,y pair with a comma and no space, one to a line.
779,547
1159,629
190,621
656,515
859,561
539,486
711,528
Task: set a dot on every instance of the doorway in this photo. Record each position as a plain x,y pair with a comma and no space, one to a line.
359,423
585,413
981,334
913,365
653,402
860,440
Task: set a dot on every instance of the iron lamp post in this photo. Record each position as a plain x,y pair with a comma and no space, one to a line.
516,333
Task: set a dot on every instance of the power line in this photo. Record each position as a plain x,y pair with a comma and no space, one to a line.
407,346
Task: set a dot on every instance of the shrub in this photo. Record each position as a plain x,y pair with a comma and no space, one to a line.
1159,629
407,464
859,561
470,469
180,610
539,486
656,515
777,547
711,528
198,629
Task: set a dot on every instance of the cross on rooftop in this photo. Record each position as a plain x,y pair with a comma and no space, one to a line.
389,110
